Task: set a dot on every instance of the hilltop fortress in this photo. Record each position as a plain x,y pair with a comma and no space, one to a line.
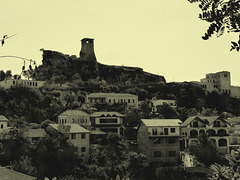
58,64
220,82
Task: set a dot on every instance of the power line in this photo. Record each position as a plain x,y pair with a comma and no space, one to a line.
25,59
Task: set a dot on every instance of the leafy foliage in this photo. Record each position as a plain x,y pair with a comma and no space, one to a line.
232,171
205,151
223,15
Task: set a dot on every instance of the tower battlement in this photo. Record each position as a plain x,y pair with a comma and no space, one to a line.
87,50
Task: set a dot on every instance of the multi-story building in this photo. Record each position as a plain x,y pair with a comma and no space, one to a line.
74,116
8,83
130,100
220,82
3,123
107,122
158,139
216,127
78,136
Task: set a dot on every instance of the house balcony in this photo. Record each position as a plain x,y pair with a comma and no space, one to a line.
210,132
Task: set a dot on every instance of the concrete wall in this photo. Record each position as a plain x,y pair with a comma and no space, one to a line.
3,126
130,101
158,148
21,82
80,142
161,131
80,119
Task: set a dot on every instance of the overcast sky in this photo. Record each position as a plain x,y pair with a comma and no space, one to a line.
162,37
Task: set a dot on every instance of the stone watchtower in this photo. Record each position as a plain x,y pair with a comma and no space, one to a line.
87,50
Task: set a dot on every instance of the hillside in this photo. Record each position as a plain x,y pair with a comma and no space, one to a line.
62,68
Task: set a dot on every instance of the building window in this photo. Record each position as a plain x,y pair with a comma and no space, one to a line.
82,121
36,83
73,136
171,141
109,100
108,120
128,100
173,130
30,83
154,131
195,124
193,134
172,153
83,136
157,153
133,100
222,142
165,131
157,141
83,149
1,126
33,83
114,101
225,75
216,124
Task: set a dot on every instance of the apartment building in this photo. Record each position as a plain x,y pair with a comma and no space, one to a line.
74,116
216,127
8,83
220,82
158,139
78,136
107,122
130,100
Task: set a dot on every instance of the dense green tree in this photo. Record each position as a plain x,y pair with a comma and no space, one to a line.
144,110
109,159
24,165
2,75
54,156
132,118
206,151
167,112
14,144
8,74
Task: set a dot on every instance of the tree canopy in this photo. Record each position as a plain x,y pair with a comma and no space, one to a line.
223,16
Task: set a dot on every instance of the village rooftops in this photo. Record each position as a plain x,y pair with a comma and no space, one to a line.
111,95
73,113
161,122
74,128
3,119
32,133
206,119
105,114
8,174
